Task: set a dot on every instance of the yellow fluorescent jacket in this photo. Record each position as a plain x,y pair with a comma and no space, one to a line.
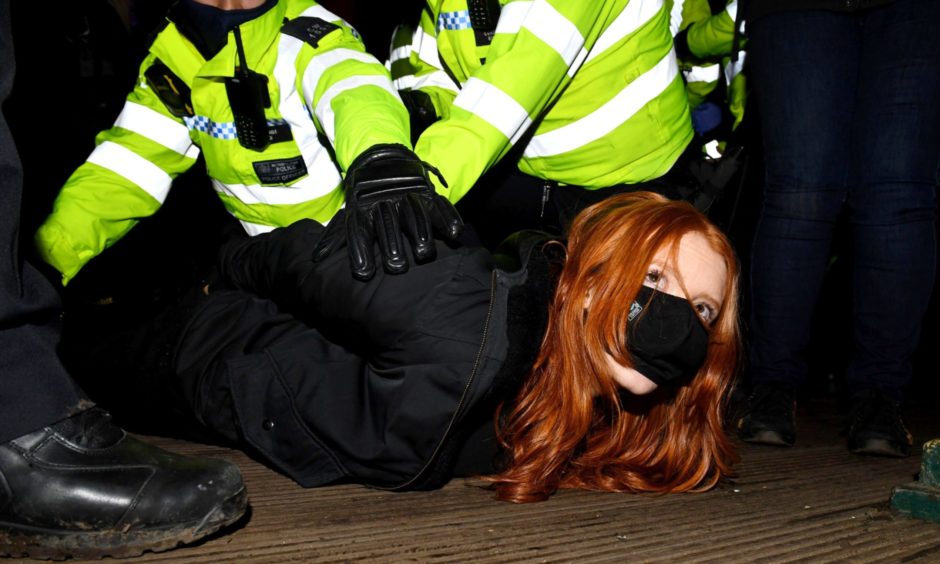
334,93
592,90
710,37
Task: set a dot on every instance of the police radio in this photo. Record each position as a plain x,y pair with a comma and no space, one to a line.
248,97
484,15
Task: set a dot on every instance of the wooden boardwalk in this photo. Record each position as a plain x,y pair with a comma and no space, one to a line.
814,502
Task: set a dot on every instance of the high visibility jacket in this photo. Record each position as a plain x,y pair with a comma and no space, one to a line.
322,85
592,90
708,41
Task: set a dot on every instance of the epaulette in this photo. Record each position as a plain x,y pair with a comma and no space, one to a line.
172,91
151,36
309,29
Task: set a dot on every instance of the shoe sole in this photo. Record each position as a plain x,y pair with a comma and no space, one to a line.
766,437
880,447
60,545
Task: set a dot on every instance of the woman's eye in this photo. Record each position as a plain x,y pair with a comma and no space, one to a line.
654,277
706,312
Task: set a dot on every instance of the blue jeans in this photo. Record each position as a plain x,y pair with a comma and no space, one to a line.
850,109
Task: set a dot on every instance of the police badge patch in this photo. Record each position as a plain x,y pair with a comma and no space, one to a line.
309,29
280,171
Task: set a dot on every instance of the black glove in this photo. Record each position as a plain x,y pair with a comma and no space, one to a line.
388,192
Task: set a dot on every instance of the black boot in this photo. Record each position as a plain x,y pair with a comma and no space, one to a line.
876,428
770,418
83,488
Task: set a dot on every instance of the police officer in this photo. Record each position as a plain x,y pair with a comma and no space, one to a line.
712,62
579,100
72,483
280,98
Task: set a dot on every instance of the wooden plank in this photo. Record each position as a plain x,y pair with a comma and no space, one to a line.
813,502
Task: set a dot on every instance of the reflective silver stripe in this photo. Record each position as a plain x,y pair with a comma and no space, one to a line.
399,53
511,16
316,68
556,31
255,228
634,15
707,73
266,195
310,187
495,107
675,17
734,68
314,72
712,149
158,128
292,104
320,63
406,82
577,62
546,23
608,117
324,109
128,164
258,228
732,9
438,79
322,174
425,45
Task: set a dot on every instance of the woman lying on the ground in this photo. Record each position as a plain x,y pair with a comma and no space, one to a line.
607,359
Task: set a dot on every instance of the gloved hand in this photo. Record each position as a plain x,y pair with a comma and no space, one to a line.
388,192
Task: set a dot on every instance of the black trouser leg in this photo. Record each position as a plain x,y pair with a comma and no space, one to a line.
35,389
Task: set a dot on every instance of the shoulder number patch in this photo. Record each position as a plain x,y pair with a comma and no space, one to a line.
309,29
170,88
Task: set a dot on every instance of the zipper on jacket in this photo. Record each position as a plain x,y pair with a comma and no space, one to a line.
463,395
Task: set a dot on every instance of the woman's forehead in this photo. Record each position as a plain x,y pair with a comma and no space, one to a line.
702,269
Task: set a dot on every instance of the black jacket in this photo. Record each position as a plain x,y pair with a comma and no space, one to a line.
381,382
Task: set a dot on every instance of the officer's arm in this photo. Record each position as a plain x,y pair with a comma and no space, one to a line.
710,37
273,265
536,49
426,89
126,178
348,91
387,192
389,195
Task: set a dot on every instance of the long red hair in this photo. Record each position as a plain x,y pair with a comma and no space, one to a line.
570,426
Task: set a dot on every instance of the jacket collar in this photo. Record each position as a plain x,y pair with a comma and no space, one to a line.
258,37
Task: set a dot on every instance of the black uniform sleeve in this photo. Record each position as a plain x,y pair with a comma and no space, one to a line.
273,265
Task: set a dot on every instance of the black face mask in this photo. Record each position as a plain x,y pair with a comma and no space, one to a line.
666,338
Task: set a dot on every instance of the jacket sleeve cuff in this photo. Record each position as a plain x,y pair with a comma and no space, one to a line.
55,248
681,42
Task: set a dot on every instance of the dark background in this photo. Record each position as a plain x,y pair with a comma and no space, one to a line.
61,101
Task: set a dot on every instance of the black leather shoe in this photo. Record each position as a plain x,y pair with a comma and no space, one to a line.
83,488
876,428
770,418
